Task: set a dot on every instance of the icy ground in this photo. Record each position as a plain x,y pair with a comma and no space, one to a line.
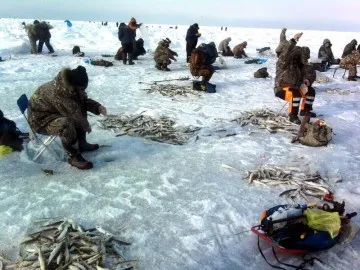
178,205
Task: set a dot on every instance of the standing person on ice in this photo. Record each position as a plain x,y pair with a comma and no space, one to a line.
60,107
192,37
134,25
43,33
32,34
127,37
288,74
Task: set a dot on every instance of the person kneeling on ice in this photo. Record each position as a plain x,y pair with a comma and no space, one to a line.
239,50
201,61
224,48
163,55
288,77
60,107
350,62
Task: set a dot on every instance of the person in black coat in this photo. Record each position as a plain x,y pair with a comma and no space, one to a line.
192,37
43,33
127,38
138,48
9,134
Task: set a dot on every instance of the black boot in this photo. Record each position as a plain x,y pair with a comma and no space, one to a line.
303,112
124,57
293,118
83,145
130,59
352,79
79,162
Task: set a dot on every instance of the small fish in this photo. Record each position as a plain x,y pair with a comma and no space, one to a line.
48,171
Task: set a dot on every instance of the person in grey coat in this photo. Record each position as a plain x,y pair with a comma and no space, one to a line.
349,48
326,54
224,47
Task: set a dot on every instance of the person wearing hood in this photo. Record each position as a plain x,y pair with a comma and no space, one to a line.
60,108
134,25
127,37
349,48
239,50
350,62
192,37
224,47
163,54
201,61
326,54
288,77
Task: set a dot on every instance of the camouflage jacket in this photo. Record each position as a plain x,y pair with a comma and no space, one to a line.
288,66
58,98
351,59
31,31
163,51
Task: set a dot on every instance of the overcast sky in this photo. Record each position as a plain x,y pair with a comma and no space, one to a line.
340,15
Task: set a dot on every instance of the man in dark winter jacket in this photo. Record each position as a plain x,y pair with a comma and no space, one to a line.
349,48
326,54
43,33
192,37
127,38
60,107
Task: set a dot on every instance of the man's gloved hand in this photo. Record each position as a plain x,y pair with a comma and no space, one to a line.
298,36
198,34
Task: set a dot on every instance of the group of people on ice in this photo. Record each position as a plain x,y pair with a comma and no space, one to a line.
60,107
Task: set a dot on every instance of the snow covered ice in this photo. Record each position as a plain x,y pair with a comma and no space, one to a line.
178,205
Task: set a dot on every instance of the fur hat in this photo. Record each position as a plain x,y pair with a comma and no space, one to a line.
79,77
196,26
36,22
76,49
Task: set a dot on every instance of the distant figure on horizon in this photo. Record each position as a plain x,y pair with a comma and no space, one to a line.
239,50
349,48
226,28
117,24
192,37
224,47
221,28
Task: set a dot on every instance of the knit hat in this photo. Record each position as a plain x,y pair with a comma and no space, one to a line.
79,77
196,26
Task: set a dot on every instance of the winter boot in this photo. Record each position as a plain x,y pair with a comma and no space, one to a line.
293,118
131,59
352,79
84,146
123,57
303,112
158,66
79,162
165,68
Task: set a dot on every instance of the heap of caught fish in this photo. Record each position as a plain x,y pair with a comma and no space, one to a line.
267,119
161,130
172,90
304,184
66,245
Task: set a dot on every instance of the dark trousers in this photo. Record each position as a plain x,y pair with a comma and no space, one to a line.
189,49
48,45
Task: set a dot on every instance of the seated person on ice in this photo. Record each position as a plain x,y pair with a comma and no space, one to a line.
60,107
201,61
224,48
289,77
350,62
239,50
349,48
326,55
9,134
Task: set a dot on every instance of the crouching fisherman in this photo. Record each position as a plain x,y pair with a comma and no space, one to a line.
60,107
